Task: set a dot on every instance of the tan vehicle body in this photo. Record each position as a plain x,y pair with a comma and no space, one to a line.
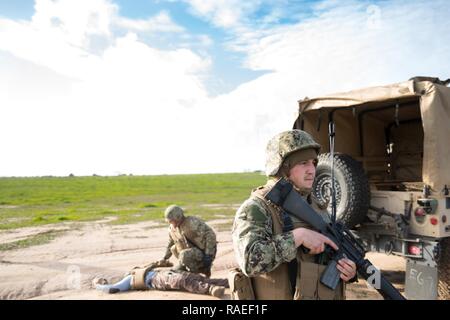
399,134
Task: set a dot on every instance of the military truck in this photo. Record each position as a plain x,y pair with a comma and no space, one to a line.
391,172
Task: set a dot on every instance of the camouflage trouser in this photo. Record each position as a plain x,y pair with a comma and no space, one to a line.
191,258
185,281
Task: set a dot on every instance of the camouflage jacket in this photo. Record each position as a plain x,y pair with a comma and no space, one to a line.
197,233
257,249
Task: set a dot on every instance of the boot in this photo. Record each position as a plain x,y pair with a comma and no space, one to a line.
216,291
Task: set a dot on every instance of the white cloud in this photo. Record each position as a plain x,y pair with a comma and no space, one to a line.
134,108
339,49
224,13
62,34
204,40
351,46
159,23
74,20
48,47
67,109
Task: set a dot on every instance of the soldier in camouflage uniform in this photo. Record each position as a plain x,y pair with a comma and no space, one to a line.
266,250
153,277
191,241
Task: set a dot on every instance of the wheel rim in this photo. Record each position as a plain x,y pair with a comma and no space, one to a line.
322,191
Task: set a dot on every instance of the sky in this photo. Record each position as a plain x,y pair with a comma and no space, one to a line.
112,87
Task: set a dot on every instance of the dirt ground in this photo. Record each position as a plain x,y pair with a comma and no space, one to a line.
65,267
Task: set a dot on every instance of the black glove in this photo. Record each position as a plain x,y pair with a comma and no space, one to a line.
207,260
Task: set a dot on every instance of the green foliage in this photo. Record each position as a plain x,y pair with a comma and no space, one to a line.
46,200
38,239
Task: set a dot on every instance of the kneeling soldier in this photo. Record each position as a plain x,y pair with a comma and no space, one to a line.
191,241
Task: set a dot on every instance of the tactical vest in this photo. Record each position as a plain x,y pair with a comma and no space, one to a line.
180,240
275,285
185,238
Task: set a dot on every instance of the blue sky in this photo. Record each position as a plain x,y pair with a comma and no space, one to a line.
227,70
19,9
115,86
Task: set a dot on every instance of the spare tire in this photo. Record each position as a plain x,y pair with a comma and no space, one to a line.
351,185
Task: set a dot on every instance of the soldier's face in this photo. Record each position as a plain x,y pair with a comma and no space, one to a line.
303,173
174,223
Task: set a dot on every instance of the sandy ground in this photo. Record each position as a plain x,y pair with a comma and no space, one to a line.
65,267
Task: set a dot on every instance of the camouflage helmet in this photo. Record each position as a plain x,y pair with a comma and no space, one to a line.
174,212
284,144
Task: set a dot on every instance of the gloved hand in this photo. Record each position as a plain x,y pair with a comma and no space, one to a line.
207,260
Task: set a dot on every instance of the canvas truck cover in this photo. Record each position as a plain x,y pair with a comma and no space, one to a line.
431,95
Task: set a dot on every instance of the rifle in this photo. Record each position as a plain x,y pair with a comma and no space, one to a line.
283,195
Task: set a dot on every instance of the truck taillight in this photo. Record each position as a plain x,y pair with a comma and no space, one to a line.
434,221
414,249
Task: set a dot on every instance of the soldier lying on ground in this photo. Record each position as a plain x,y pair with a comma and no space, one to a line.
191,241
148,278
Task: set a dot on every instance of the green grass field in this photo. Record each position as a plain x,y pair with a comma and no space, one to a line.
45,200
